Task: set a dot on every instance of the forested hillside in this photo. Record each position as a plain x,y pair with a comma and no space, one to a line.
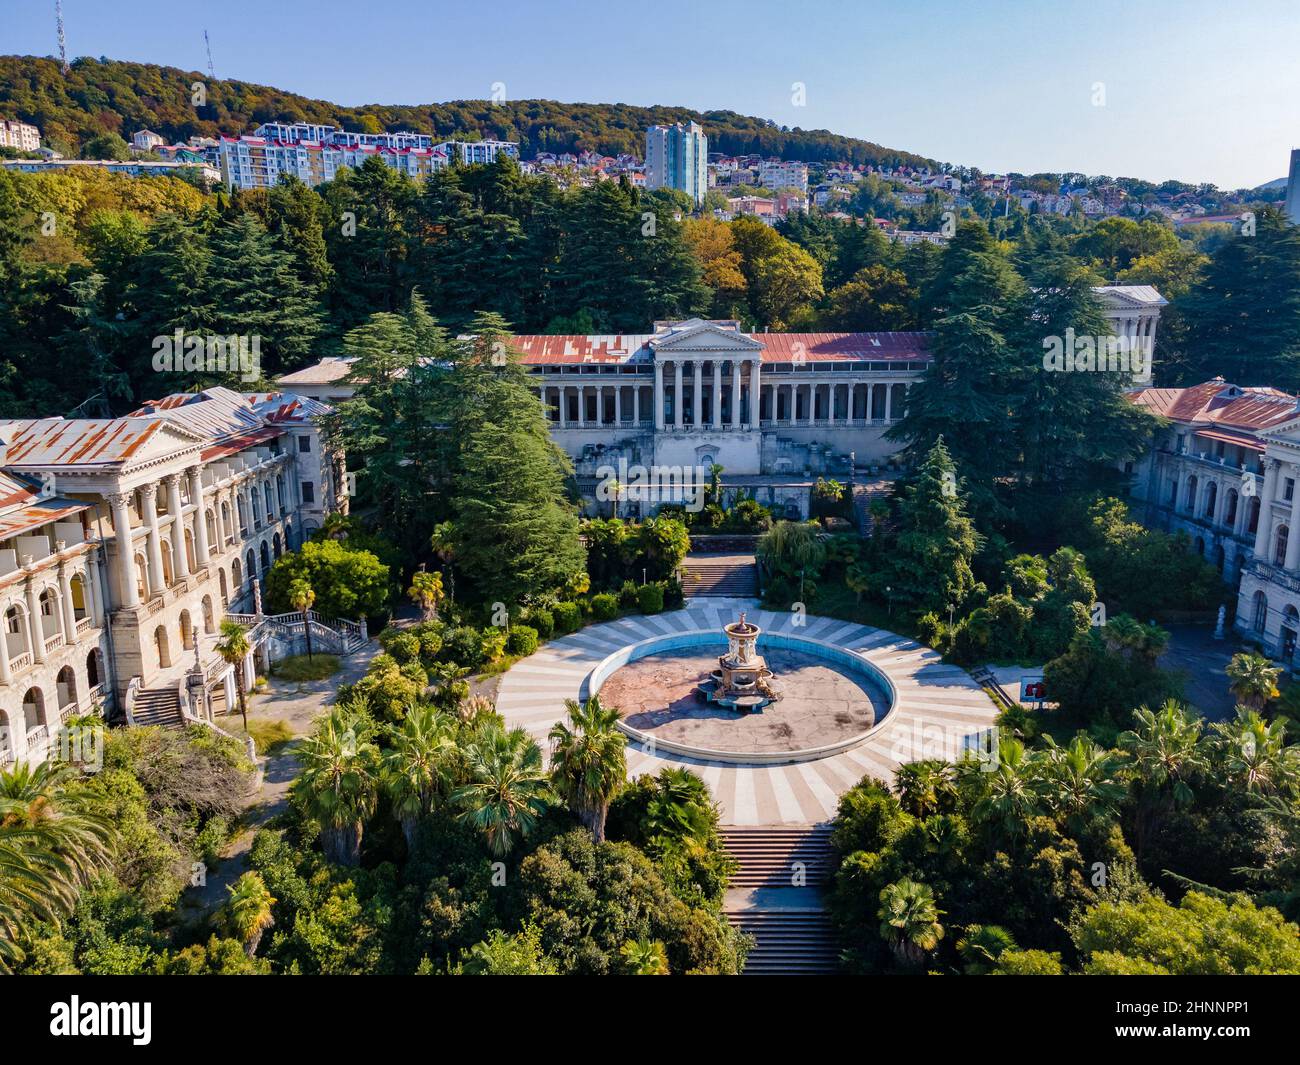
104,96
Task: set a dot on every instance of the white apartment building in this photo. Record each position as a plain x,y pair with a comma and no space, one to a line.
676,157
470,152
124,542
130,167
779,175
146,140
20,135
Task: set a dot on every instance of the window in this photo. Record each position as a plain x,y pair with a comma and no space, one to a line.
308,492
1288,491
304,444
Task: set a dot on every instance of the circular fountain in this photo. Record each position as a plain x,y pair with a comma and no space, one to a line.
742,680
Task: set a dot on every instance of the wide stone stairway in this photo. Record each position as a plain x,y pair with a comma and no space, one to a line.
777,897
730,576
158,706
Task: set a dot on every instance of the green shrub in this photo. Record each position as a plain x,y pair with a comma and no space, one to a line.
463,645
430,643
494,644
627,594
523,640
650,598
604,607
405,647
568,617
674,594
543,621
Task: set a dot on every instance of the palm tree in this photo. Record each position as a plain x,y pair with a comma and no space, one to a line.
589,761
417,765
681,809
426,590
52,841
925,787
442,542
615,492
1166,751
1254,680
644,957
301,598
982,946
247,913
1007,796
233,647
1254,754
339,781
1081,781
909,920
506,793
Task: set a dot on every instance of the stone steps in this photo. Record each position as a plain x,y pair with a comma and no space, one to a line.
734,577
788,942
780,855
157,706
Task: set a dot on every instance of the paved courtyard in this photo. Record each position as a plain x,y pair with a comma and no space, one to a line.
939,710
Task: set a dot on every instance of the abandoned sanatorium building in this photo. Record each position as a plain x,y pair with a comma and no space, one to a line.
124,542
776,410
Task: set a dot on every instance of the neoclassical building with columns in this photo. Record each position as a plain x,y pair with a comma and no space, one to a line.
776,410
1226,471
124,542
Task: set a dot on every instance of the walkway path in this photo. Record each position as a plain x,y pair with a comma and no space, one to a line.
939,708
297,704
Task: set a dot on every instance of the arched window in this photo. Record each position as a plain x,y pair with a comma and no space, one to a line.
209,619
49,614
251,563
66,683
163,646
225,592
1230,511
94,675
1253,524
16,632
1279,545
1260,618
1189,501
210,520
1211,499
33,709
78,586
266,559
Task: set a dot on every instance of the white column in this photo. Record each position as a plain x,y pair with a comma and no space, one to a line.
677,394
1293,525
6,676
125,553
180,563
618,404
889,402
1265,528
35,629
755,392
735,394
717,393
65,594
659,396
93,605
697,400
250,671
228,682
582,406
218,521
201,545
636,404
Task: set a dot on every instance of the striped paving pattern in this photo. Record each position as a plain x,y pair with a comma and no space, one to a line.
939,710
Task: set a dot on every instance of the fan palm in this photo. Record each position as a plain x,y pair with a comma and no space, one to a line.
1167,754
681,809
909,920
506,793
1254,754
644,957
1006,797
982,946
925,787
589,761
301,598
51,843
1253,680
247,913
417,767
426,590
233,647
339,781
1081,781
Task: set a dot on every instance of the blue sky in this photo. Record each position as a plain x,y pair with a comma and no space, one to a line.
1194,89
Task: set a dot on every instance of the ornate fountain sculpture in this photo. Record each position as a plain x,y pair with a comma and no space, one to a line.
742,680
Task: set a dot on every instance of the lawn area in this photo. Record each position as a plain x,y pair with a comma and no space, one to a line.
300,668
269,736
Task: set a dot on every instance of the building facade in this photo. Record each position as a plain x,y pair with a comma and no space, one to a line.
130,167
471,152
20,135
124,542
676,157
775,410
1226,471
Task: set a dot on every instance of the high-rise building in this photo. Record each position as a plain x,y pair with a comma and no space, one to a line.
676,157
1293,188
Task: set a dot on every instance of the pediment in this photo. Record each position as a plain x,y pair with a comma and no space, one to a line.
699,335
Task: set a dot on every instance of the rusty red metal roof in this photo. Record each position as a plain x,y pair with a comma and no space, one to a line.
22,509
76,442
615,348
1218,403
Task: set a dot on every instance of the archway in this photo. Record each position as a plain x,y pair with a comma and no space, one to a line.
163,647
250,567
94,676
1211,499
225,593
210,523
1189,501
266,559
209,619
1260,618
33,709
141,577
1279,545
66,684
187,631
1230,511
16,641
189,551
78,587
166,564
50,625
275,546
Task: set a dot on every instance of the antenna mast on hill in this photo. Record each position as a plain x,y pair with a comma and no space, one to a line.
208,44
63,44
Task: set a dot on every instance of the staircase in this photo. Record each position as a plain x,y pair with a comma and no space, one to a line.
776,898
157,706
731,576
